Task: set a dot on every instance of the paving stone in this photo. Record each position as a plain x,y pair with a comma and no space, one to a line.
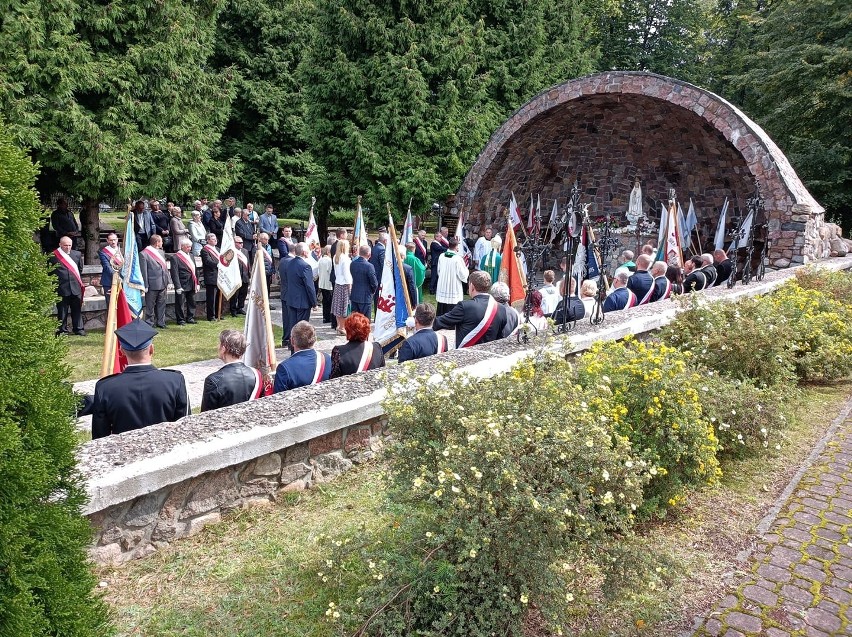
809,572
760,595
774,573
776,632
743,622
796,594
822,620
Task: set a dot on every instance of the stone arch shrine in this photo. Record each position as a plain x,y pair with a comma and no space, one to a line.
608,128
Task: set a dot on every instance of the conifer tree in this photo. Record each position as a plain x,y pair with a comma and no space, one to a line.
45,582
115,99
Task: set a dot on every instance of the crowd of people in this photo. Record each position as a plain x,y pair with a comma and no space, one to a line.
345,282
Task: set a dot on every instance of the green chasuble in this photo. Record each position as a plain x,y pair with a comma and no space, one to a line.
419,274
490,263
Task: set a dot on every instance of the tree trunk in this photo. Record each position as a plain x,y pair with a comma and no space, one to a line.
90,229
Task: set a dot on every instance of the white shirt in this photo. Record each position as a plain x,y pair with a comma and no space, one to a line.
325,272
482,247
342,275
452,273
550,298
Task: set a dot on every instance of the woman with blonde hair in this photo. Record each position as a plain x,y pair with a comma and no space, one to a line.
588,295
342,285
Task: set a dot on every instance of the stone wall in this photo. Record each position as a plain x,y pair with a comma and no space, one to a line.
608,128
137,528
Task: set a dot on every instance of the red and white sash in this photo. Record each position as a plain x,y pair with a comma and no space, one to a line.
443,240
154,254
242,258
190,264
632,301
366,357
111,253
68,262
266,254
647,297
442,343
257,392
419,245
319,368
474,336
212,251
668,291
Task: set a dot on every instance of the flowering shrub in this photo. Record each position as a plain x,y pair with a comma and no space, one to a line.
496,479
746,340
821,343
837,285
661,411
747,419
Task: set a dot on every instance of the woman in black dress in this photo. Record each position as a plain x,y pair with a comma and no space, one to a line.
359,353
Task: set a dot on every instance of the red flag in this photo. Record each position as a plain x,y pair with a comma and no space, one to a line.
123,316
511,272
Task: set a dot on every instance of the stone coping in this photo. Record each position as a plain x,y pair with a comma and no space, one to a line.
120,468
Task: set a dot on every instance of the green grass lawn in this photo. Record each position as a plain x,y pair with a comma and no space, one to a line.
174,345
253,574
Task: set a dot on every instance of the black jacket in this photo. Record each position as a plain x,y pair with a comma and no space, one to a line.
140,396
345,358
576,310
232,384
723,271
209,267
67,282
181,276
467,315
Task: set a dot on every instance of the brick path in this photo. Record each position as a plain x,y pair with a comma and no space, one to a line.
799,581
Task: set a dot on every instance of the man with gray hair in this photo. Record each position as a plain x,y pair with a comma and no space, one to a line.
621,297
425,341
185,281
662,286
235,382
501,294
306,366
708,269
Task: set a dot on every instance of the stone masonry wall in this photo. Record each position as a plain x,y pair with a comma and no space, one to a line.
139,527
610,127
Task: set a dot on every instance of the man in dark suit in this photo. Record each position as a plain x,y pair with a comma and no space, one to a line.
108,255
377,258
283,274
155,273
238,301
69,286
143,224
245,229
141,395
364,282
724,266
186,283
235,382
425,341
479,320
438,247
575,308
297,288
695,279
709,270
641,282
210,273
306,366
621,298
63,221
662,286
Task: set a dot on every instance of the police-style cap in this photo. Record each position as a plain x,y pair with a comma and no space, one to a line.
136,335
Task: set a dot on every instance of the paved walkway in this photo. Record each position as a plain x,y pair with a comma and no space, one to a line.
800,576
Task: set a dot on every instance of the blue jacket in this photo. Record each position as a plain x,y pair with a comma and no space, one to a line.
640,282
299,370
377,258
421,344
620,299
297,287
364,281
106,275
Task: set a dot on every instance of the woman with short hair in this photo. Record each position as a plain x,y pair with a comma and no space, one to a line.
359,354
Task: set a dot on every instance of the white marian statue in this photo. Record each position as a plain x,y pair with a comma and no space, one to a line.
634,210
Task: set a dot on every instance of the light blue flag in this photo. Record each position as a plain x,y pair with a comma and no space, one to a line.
131,274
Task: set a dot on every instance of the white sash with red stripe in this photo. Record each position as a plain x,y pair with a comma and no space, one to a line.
211,250
443,240
419,245
366,357
632,301
668,291
111,253
319,368
155,254
257,392
442,343
190,264
243,259
474,336
68,262
647,297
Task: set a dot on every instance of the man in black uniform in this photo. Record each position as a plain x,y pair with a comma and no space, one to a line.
141,395
480,320
724,266
695,279
236,382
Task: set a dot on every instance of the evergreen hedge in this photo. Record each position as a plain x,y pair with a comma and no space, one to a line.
46,586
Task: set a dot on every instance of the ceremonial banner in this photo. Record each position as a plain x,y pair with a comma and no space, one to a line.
463,249
393,306
118,315
533,221
131,273
407,235
514,216
664,217
586,264
312,237
359,236
670,250
229,280
511,272
746,230
260,343
719,240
